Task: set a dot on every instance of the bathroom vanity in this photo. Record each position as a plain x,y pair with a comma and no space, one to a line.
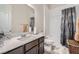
27,45
21,21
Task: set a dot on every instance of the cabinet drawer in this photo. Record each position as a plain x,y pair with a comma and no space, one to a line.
33,50
17,51
31,44
41,39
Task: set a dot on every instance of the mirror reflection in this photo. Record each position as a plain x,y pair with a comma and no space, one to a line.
16,18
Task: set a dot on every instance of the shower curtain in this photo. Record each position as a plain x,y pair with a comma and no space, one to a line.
68,24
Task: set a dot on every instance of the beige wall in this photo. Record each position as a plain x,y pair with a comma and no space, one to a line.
39,17
20,15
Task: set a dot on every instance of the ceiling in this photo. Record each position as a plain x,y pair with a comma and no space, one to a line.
54,5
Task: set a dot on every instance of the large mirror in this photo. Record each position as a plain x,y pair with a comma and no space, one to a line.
16,19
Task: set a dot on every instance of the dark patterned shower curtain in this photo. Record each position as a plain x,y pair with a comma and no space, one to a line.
68,26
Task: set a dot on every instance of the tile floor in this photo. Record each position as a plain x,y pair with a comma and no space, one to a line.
54,47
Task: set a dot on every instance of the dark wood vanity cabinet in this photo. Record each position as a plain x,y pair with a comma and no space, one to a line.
41,48
41,45
16,51
33,47
34,50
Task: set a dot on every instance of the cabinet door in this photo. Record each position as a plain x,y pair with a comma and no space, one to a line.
31,44
41,48
17,51
34,50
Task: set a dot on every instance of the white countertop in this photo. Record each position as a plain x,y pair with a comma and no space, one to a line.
14,43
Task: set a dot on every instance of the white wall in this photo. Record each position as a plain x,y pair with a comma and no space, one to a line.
46,18
55,20
21,14
54,24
